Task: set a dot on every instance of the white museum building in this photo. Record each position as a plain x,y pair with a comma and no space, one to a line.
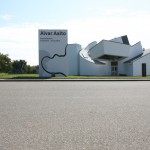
107,58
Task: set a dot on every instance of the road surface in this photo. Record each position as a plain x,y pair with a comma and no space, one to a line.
75,115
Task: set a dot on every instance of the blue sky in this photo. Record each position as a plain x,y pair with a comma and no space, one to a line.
86,21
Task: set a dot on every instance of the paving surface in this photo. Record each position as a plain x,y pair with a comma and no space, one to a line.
75,115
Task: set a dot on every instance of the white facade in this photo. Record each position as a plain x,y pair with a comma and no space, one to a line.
52,52
137,65
108,57
109,48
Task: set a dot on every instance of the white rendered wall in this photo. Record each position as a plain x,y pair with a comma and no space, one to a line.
52,44
119,40
73,58
125,68
136,50
137,65
89,68
91,45
116,49
97,50
128,69
108,68
121,68
109,48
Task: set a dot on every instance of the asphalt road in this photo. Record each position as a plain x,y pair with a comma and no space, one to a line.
75,115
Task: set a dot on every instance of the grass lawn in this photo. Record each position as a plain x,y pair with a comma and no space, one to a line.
18,76
36,76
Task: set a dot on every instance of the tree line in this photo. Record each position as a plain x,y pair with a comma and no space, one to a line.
15,66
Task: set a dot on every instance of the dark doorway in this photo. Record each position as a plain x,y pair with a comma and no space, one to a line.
114,68
144,69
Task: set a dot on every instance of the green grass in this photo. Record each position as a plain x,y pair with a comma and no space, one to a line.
36,76
19,76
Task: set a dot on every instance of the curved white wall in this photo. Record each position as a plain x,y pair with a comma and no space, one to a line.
89,68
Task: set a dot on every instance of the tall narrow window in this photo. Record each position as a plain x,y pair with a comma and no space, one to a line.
144,69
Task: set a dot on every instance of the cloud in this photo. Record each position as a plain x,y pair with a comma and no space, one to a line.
6,17
134,24
21,41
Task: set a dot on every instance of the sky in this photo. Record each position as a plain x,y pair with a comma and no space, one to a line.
85,20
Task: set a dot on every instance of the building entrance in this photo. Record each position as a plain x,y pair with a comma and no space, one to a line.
114,68
144,69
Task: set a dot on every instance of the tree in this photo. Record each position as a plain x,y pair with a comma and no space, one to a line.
31,69
27,69
19,66
16,66
5,64
34,69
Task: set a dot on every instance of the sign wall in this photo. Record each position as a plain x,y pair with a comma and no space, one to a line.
52,52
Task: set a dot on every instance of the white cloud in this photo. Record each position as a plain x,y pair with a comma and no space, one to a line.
21,42
6,17
135,25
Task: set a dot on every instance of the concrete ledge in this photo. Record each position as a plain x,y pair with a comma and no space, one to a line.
54,80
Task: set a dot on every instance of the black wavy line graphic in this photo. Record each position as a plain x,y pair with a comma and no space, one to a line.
53,73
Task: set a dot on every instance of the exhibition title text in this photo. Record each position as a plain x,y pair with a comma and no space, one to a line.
52,33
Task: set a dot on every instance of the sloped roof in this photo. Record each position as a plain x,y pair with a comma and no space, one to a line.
146,52
124,40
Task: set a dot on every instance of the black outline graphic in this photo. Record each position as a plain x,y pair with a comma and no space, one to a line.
54,73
